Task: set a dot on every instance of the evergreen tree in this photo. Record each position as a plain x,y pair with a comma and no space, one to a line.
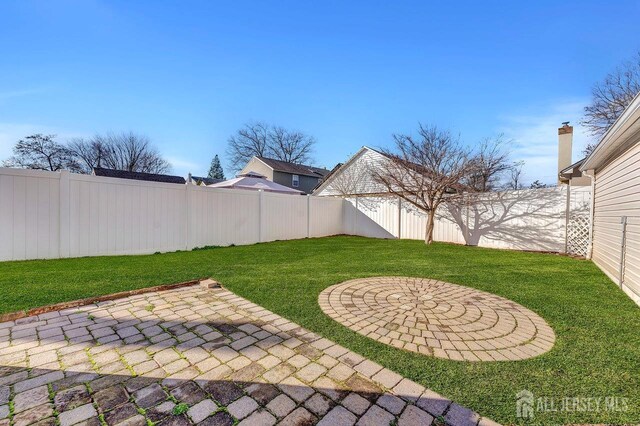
538,185
215,171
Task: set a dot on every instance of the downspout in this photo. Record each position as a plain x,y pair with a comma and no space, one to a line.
591,210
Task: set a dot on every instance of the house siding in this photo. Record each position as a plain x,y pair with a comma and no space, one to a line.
307,183
617,195
255,165
356,177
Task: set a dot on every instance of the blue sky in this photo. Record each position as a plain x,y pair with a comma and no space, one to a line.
189,73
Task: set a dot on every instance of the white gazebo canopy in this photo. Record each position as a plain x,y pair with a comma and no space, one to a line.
255,181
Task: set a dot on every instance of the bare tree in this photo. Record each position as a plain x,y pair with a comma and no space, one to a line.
121,151
351,181
290,145
425,170
42,152
588,149
490,162
515,181
89,153
263,140
611,96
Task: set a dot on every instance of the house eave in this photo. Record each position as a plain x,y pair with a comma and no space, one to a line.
617,139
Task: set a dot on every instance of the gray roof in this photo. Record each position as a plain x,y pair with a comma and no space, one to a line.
205,180
151,177
296,169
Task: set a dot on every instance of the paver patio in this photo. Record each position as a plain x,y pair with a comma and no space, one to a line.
197,355
437,318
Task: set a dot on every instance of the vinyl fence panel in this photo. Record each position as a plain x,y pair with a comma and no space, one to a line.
29,215
522,220
47,215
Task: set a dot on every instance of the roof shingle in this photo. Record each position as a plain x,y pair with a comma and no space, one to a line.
150,177
298,169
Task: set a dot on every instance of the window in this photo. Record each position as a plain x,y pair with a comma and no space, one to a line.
295,181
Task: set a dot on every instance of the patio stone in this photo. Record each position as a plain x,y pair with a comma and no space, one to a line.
231,361
72,398
412,415
159,412
33,415
242,407
84,412
355,403
319,404
436,318
376,416
110,398
202,410
298,417
259,417
281,405
30,398
120,414
339,416
218,419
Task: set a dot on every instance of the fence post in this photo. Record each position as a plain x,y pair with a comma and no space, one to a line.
308,215
64,228
623,243
567,216
187,237
260,210
355,226
399,217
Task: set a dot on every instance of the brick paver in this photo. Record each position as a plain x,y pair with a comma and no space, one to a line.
437,319
196,355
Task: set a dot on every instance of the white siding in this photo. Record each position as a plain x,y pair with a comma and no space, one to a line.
617,194
356,176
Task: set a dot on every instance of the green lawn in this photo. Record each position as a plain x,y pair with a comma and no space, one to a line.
597,352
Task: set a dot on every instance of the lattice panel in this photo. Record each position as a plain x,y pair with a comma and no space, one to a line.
578,235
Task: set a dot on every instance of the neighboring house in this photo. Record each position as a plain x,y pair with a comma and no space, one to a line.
255,182
354,176
297,176
150,177
198,180
614,166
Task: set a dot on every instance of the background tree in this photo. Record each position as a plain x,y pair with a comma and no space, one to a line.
42,152
515,181
490,162
536,184
424,170
610,97
215,171
263,140
89,153
120,151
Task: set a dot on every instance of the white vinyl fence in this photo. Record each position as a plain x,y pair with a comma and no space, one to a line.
523,220
47,215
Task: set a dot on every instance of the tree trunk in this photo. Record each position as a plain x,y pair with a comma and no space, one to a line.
428,232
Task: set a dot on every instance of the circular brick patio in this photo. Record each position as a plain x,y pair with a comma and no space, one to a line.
438,318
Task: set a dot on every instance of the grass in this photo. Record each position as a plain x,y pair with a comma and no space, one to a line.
597,351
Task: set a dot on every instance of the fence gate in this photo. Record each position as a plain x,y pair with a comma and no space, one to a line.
578,221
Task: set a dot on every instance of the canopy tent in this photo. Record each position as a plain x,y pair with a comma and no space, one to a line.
255,181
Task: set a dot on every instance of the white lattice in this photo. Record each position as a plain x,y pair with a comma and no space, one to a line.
578,235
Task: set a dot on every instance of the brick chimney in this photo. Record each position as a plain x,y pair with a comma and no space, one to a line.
565,142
